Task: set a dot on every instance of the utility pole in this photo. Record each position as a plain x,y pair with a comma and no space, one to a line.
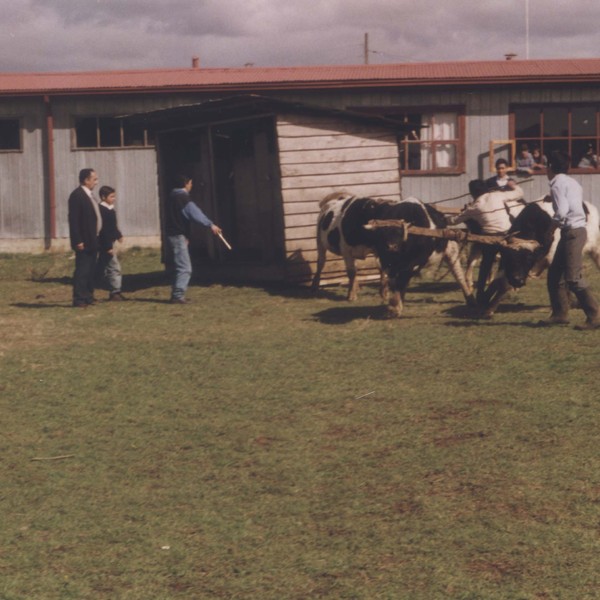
527,29
366,49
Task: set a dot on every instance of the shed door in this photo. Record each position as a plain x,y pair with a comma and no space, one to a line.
247,190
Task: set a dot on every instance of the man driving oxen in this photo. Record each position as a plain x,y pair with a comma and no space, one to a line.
490,210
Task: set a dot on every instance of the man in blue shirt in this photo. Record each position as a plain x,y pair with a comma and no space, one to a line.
566,270
180,212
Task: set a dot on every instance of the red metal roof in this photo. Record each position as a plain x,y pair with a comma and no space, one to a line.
503,72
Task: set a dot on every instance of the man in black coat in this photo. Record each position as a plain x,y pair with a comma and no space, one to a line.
85,223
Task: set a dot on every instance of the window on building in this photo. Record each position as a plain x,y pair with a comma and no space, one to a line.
574,129
10,135
435,139
109,132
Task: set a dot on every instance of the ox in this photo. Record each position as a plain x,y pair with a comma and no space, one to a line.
341,230
532,223
591,248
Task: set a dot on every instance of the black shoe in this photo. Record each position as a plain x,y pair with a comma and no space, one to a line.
180,301
91,302
80,304
117,297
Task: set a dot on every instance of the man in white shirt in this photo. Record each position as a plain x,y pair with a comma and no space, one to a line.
491,212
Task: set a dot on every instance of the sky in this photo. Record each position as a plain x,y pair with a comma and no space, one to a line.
93,35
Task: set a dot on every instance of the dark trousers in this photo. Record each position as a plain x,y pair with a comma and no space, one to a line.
488,256
567,265
83,277
566,272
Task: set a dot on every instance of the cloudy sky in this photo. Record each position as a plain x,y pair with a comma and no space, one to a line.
75,35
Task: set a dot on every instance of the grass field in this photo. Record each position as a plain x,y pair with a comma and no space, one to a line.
265,444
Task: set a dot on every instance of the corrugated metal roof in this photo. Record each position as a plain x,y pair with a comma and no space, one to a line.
256,78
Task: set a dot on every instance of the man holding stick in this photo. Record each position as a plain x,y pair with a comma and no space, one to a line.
180,212
566,270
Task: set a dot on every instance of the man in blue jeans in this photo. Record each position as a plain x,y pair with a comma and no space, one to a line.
180,212
566,271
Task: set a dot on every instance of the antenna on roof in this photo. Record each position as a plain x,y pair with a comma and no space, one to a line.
510,56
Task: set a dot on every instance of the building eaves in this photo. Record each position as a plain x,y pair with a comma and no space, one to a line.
477,73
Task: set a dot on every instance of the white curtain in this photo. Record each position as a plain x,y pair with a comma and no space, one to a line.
439,126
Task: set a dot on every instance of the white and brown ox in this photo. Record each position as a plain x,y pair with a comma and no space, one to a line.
341,230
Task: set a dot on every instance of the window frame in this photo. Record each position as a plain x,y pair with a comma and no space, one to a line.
570,139
395,112
19,122
148,142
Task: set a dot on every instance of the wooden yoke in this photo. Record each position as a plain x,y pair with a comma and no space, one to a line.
459,235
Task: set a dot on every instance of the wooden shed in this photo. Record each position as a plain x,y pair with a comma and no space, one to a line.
260,167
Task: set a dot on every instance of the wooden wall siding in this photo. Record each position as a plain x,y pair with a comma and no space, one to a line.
317,157
22,206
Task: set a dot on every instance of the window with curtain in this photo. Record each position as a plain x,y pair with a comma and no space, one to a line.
434,142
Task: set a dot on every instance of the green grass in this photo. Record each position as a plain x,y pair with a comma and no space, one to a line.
265,444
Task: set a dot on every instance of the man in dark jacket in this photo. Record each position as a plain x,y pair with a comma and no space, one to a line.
85,223
180,212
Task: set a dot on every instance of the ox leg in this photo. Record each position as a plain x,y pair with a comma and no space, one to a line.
397,294
452,258
595,254
384,285
321,257
496,291
353,286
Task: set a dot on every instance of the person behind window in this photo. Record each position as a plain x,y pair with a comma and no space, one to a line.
589,160
501,181
525,164
540,162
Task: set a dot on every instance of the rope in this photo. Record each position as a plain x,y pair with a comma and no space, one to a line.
468,194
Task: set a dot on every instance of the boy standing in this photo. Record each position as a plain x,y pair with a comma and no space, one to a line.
108,263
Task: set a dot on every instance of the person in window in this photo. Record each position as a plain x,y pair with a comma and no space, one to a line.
525,163
490,210
180,212
540,162
589,160
566,271
501,181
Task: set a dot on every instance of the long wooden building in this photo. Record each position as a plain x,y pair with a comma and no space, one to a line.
453,120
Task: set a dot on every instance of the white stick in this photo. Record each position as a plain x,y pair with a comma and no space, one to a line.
225,241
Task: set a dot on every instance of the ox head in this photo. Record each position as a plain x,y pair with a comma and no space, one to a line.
534,224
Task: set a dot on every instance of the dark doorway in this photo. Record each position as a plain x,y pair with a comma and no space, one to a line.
235,170
247,190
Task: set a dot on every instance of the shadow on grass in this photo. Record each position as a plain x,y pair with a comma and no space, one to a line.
341,315
131,283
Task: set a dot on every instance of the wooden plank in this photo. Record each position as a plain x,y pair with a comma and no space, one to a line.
333,141
376,190
336,167
328,128
301,220
337,155
340,180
